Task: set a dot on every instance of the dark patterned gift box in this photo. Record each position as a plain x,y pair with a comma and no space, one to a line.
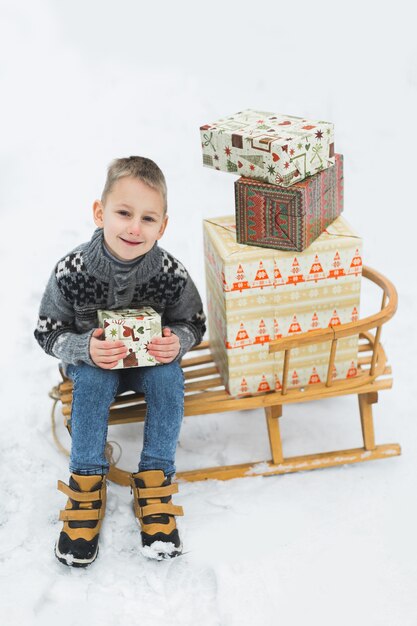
288,218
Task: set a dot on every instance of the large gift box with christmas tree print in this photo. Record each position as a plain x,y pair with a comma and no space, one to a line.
257,294
136,328
288,218
274,148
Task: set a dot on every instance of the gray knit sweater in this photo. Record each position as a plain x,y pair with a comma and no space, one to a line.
88,279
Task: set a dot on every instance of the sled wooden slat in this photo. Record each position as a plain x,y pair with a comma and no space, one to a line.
285,371
66,411
200,385
134,399
329,379
200,373
197,360
206,394
127,415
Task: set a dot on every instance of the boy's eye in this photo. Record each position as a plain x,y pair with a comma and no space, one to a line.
123,213
148,218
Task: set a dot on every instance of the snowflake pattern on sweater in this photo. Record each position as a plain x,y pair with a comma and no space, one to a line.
87,280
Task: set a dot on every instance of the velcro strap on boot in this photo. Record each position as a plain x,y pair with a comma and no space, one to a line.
159,508
80,496
157,492
84,515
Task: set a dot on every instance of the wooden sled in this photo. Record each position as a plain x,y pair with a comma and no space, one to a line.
205,393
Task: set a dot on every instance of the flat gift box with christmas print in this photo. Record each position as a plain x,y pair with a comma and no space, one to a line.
258,294
136,328
288,218
274,148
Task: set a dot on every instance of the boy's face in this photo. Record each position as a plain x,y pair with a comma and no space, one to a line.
132,218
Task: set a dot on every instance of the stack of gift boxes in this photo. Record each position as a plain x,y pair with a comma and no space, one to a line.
287,262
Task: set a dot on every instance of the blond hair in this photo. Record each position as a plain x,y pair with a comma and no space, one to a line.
140,168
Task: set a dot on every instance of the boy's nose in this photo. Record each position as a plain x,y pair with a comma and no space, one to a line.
134,228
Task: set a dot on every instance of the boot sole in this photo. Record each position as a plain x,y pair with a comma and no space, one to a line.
154,555
71,561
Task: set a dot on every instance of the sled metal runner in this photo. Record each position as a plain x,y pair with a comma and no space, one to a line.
205,394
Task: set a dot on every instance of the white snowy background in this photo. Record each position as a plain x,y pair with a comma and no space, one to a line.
83,82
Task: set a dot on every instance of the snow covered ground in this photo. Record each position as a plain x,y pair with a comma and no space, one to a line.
84,82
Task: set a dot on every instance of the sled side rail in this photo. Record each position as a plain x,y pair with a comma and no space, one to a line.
332,334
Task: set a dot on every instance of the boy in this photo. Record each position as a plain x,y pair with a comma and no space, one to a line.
121,267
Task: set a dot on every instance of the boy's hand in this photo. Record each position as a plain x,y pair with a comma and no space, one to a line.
164,348
106,354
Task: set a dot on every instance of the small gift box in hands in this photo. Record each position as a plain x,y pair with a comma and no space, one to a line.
135,327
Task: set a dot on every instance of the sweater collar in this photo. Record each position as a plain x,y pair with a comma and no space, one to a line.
101,266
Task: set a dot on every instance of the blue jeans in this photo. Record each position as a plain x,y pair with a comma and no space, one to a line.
93,393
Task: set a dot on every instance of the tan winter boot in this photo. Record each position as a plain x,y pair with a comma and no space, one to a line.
77,544
152,492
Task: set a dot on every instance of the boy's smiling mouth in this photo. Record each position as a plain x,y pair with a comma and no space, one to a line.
131,243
